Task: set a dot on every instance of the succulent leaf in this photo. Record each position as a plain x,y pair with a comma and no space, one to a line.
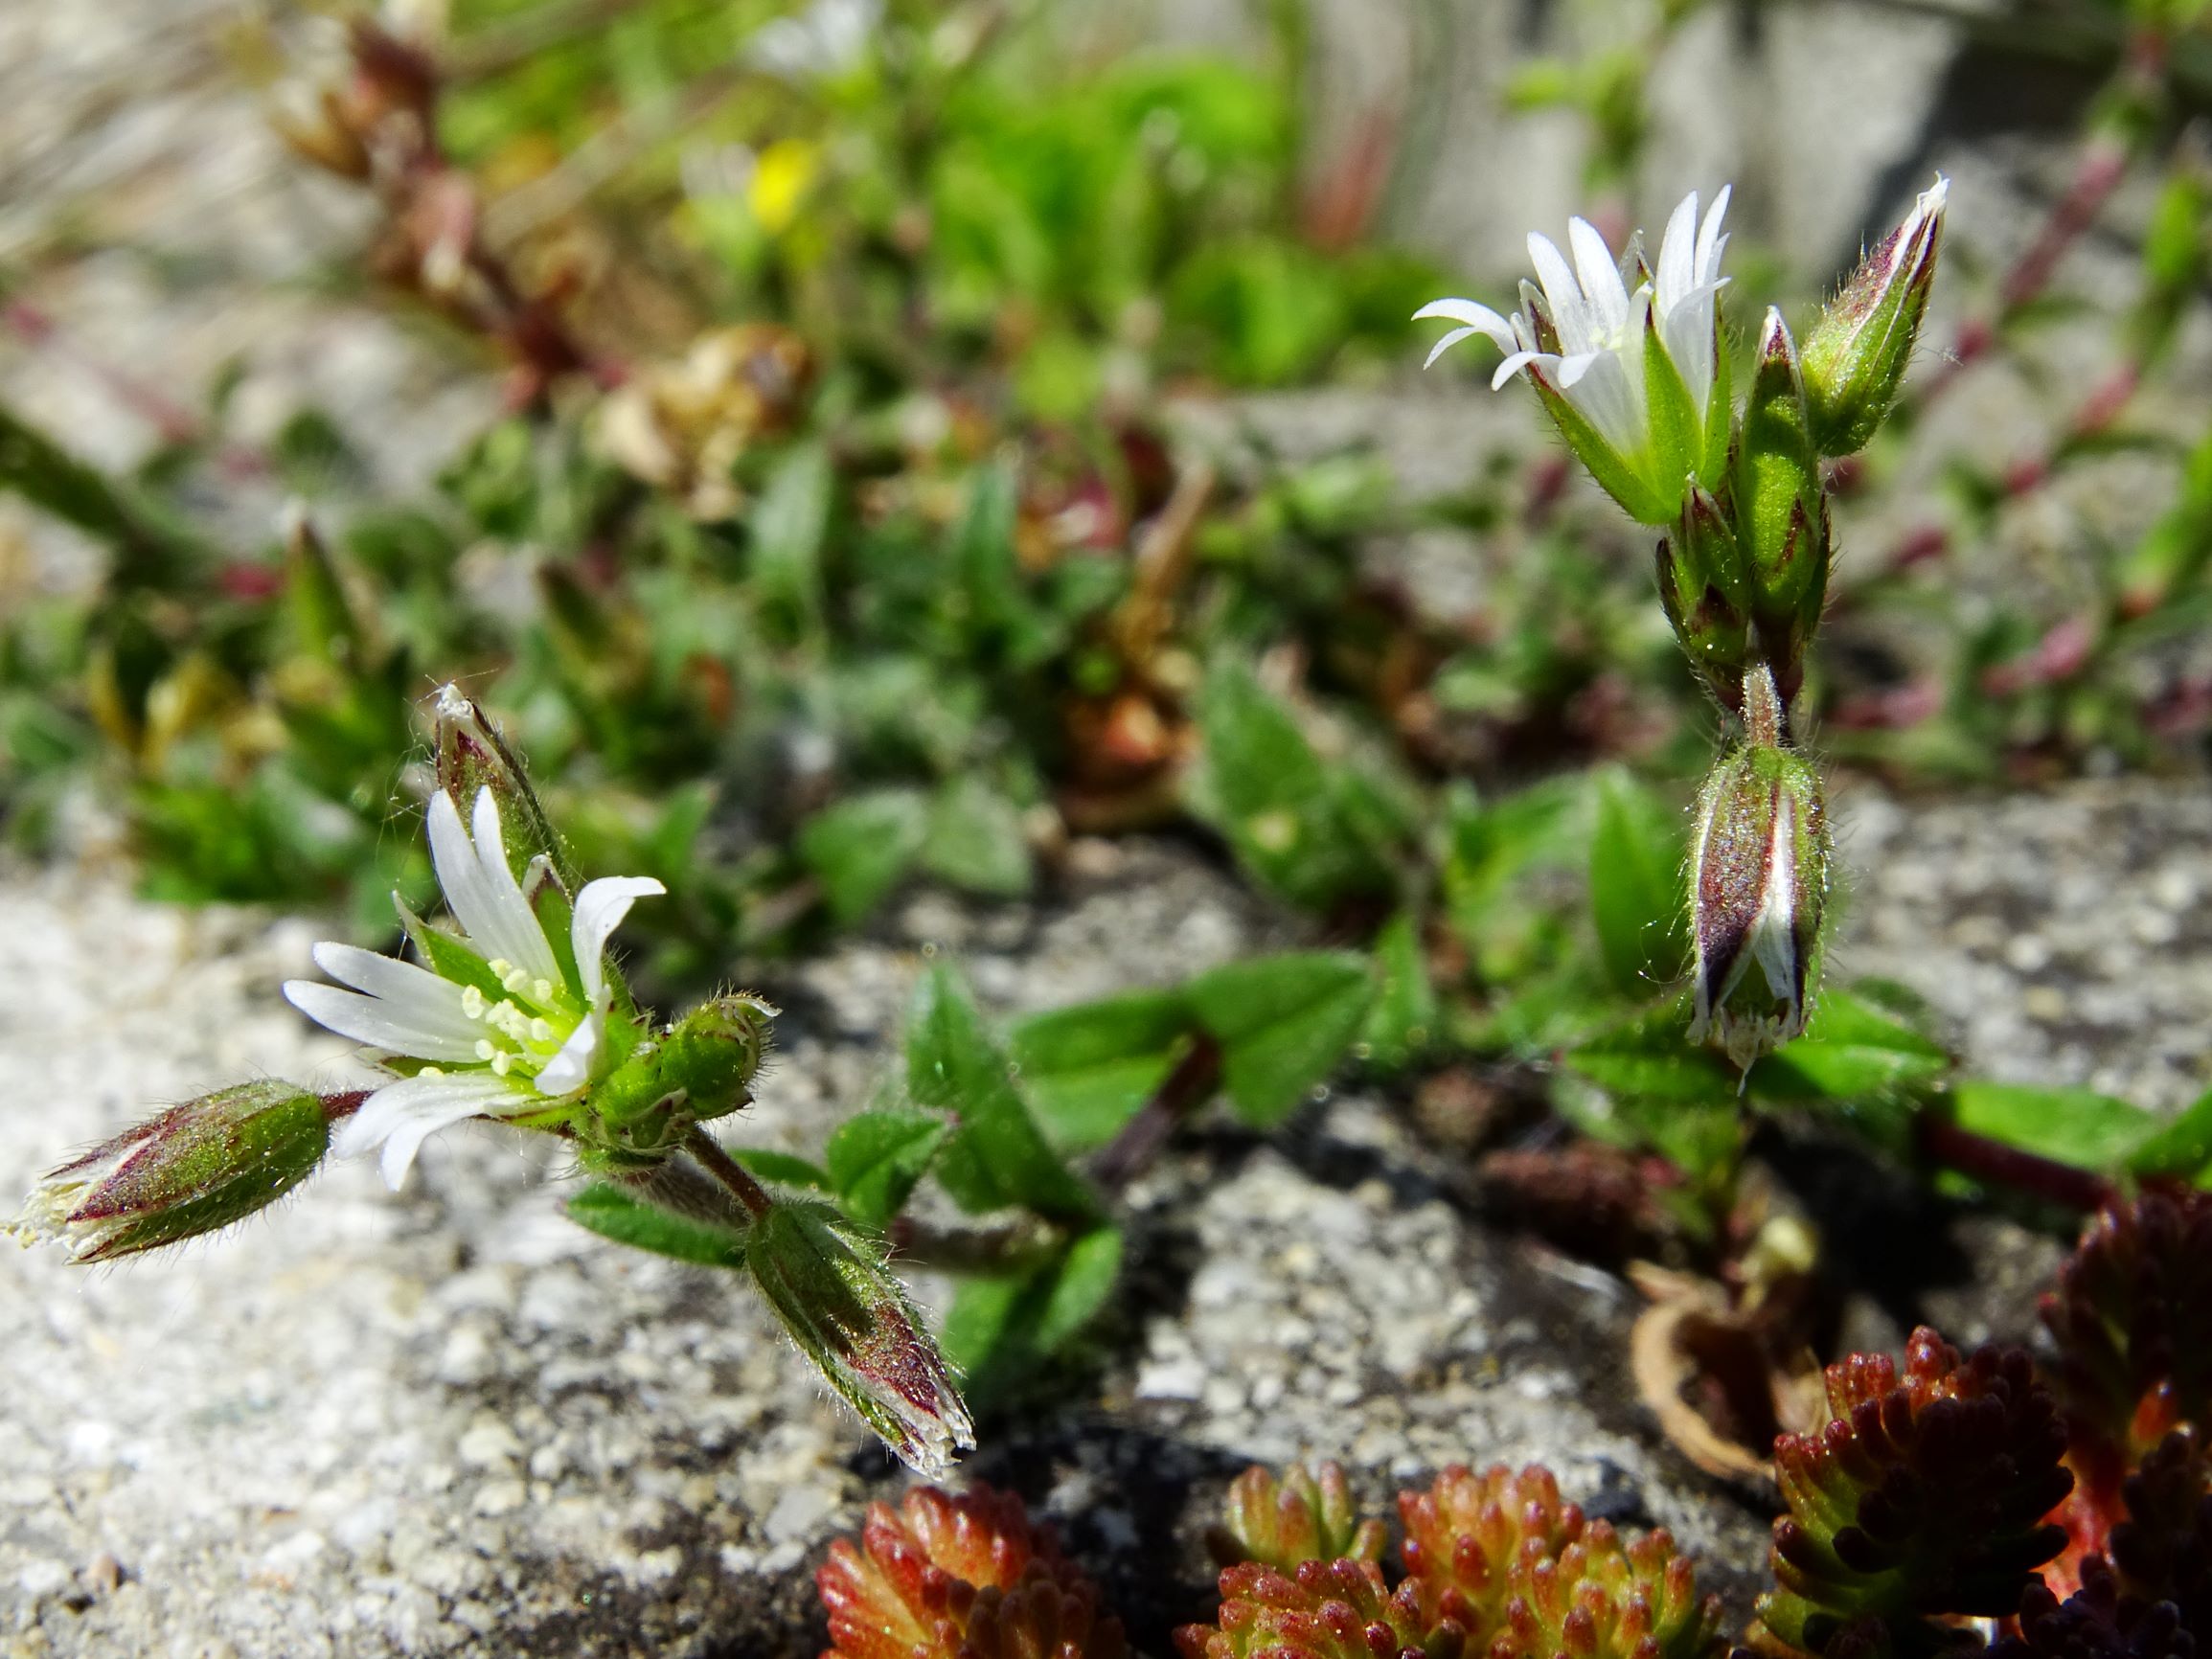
1301,1517
959,1578
1923,1498
1322,1610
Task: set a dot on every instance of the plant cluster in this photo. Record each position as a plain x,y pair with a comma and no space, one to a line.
1933,1504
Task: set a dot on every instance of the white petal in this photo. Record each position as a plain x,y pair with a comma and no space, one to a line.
1710,240
1445,344
1679,255
1609,394
1563,295
1474,316
408,992
400,1116
526,947
1601,277
474,904
599,911
1512,366
571,1068
366,1021
1573,369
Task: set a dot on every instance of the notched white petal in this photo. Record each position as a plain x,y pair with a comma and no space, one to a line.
599,911
367,1019
399,1117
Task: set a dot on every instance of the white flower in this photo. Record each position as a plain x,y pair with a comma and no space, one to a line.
523,1031
1581,340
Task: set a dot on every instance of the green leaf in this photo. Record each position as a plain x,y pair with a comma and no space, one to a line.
2179,1148
615,1213
1079,1287
790,527
1273,798
876,1158
1657,1092
1649,1060
1853,1048
1001,1327
1402,1020
860,846
979,1328
1088,1068
2076,1127
1636,887
1284,1023
974,839
997,1157
785,1169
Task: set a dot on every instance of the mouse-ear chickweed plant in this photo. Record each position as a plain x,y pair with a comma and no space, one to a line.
517,1014
1632,366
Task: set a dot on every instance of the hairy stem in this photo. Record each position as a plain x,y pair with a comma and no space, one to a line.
731,1174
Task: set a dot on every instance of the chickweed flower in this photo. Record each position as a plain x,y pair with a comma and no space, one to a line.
1632,376
507,1020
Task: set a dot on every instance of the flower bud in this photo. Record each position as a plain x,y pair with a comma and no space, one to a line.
192,1169
1856,357
1780,510
698,1069
1702,590
1759,884
472,755
827,1282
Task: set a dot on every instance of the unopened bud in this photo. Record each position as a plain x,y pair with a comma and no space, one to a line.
1856,357
698,1069
1781,508
189,1171
1702,590
828,1283
1758,885
472,755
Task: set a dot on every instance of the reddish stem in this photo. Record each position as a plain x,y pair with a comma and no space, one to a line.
343,1105
1182,1092
1942,1142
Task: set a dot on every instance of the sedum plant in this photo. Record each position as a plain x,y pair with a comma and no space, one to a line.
1923,1496
1299,1518
1495,1563
959,1578
1628,360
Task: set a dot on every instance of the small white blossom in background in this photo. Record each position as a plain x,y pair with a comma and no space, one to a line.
521,1032
824,43
1593,347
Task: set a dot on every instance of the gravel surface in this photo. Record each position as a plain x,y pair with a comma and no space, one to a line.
372,1424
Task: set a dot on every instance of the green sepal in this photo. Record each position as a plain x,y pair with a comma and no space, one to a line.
447,955
1781,517
1677,438
1639,497
192,1169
